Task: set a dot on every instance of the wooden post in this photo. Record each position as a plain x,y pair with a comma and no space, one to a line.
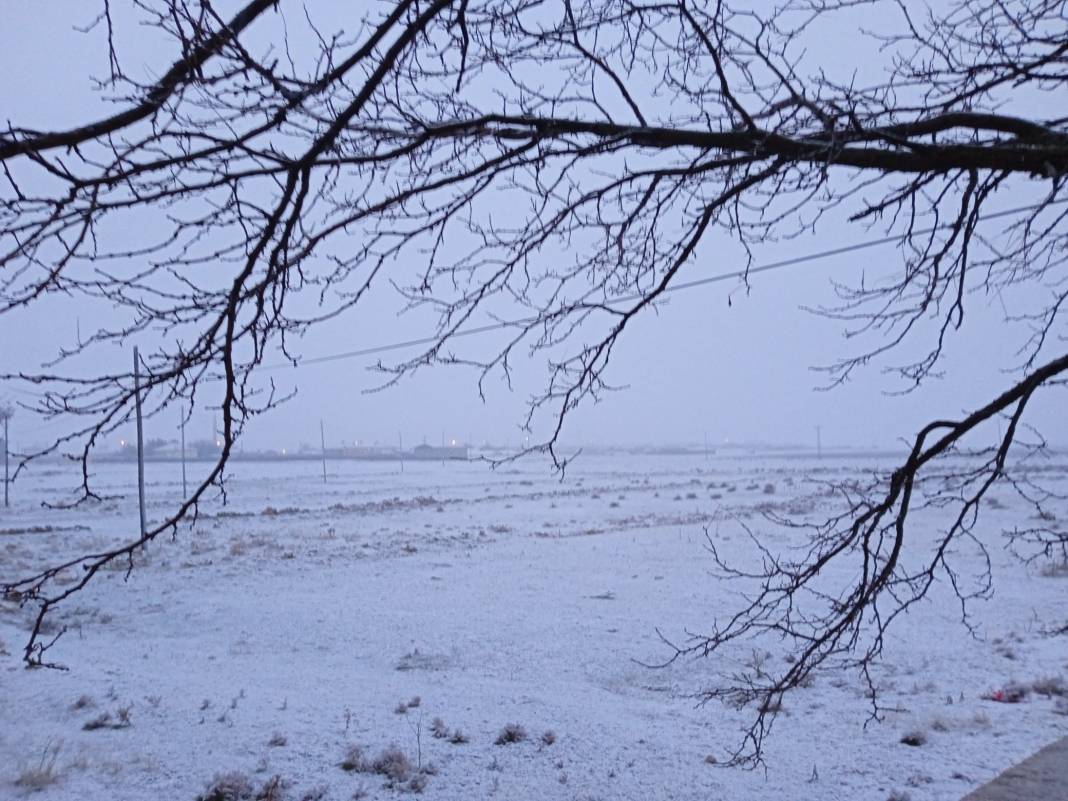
140,440
322,440
181,420
6,414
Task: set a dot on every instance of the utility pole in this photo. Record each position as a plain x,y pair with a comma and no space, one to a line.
5,415
181,427
819,444
322,440
140,440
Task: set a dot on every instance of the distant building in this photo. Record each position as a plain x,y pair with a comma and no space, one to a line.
430,452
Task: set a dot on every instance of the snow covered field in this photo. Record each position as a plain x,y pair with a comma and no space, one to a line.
294,622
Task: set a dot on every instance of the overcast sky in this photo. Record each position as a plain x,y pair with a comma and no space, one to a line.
741,371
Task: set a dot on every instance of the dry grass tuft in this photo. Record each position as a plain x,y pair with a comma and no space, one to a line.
393,764
1058,569
512,733
417,783
83,702
228,787
1050,686
105,720
355,761
43,774
915,738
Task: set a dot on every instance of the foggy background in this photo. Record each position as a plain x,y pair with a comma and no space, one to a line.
740,372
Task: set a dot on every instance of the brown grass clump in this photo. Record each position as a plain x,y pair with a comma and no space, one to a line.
915,738
1050,686
83,702
43,774
512,733
105,720
393,764
228,787
1057,569
355,761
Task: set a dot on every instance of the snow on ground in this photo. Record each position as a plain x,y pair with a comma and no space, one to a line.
304,614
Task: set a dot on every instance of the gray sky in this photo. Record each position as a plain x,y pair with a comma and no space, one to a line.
741,372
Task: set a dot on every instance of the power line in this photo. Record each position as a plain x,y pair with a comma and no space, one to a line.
19,391
679,287
712,279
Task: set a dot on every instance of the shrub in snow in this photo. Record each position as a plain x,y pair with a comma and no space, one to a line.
37,778
915,738
1050,686
273,790
393,764
228,787
438,729
354,760
83,702
458,738
548,737
1056,569
105,720
771,706
43,774
417,783
512,733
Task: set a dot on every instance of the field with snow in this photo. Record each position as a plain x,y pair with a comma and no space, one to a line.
302,619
